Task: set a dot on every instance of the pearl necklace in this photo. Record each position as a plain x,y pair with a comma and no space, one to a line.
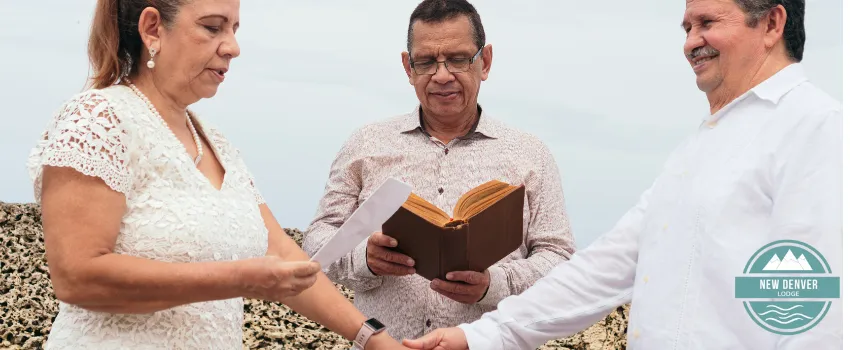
188,120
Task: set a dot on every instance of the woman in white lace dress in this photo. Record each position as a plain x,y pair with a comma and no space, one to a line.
154,228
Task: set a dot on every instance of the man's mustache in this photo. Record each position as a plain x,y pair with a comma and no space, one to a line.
703,51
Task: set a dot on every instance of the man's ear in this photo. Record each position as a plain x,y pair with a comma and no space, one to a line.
405,61
486,60
150,23
775,29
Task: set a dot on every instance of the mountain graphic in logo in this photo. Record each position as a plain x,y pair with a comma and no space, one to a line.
788,263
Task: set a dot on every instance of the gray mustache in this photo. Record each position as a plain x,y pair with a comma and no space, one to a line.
703,51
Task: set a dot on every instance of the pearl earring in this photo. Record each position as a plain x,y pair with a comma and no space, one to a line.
151,64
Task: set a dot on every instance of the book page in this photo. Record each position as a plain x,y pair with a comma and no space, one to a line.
426,210
471,202
367,219
484,202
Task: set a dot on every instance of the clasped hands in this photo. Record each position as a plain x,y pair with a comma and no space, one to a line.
466,287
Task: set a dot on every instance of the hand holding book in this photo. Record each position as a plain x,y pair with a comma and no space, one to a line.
486,226
384,262
467,287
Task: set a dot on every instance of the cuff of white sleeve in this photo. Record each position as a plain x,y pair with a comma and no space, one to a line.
361,269
498,289
482,334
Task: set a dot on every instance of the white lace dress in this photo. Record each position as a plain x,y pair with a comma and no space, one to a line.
174,214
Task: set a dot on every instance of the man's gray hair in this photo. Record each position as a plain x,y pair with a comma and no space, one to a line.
795,32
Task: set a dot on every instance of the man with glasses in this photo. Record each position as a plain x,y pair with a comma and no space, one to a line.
444,147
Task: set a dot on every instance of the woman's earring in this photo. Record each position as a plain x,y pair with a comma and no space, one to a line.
151,64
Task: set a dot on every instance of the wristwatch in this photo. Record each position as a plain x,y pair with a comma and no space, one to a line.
371,327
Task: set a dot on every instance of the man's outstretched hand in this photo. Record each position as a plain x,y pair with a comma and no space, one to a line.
440,339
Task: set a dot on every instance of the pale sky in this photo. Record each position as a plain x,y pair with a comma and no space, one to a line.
603,83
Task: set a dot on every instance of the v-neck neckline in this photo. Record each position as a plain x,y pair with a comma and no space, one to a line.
202,133
184,153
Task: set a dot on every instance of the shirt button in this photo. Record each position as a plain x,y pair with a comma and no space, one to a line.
645,279
428,323
665,227
446,151
440,190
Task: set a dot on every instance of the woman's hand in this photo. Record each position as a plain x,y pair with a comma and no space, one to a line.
383,341
274,279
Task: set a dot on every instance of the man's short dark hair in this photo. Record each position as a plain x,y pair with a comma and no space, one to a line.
435,11
795,32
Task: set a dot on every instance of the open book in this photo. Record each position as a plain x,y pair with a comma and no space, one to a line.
485,226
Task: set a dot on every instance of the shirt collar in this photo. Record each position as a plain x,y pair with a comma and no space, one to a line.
781,83
771,89
484,125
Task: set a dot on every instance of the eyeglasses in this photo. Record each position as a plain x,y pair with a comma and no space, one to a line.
453,65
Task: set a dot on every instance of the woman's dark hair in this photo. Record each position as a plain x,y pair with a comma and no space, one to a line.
115,45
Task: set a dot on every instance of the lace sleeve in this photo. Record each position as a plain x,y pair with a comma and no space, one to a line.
85,135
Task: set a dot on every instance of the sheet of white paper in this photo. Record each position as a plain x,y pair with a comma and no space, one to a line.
367,218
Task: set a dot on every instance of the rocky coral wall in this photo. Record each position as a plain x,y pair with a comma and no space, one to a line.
27,304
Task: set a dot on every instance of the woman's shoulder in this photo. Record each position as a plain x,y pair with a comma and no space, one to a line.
87,133
108,104
231,155
96,111
225,147
214,133
216,137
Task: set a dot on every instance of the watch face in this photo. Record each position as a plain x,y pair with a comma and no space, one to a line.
375,324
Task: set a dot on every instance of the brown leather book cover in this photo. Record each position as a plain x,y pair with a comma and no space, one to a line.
461,244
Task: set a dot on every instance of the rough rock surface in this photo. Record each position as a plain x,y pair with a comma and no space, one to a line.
27,304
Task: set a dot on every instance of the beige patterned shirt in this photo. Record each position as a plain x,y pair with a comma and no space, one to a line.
440,173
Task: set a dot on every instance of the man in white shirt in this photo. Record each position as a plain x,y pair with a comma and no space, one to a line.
764,167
